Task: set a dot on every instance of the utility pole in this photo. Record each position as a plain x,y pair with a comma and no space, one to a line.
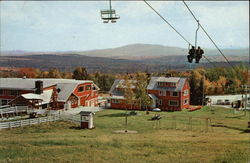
203,90
245,87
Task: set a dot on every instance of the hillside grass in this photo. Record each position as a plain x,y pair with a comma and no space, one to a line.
65,142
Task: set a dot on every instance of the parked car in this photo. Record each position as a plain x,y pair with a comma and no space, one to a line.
220,102
227,102
156,110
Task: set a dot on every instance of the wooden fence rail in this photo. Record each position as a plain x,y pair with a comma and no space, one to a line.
28,122
13,110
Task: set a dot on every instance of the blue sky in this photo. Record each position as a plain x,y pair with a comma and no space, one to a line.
77,26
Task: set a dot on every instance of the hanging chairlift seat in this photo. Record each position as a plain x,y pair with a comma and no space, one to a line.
107,15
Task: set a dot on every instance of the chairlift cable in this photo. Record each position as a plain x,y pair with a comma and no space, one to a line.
167,22
208,35
189,44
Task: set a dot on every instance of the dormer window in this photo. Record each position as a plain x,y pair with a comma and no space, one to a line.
173,84
161,84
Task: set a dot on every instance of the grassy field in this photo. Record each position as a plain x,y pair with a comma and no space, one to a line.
226,142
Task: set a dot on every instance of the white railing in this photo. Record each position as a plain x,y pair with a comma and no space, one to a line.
14,109
28,122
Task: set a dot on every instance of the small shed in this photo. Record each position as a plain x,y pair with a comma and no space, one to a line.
86,119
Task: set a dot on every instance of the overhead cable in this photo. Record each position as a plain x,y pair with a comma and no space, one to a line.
207,34
167,22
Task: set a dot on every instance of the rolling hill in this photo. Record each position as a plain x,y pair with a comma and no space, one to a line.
130,58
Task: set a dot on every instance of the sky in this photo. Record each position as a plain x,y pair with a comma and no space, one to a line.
77,25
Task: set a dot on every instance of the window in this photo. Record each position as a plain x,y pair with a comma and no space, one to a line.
160,102
80,89
161,83
1,92
173,103
115,101
186,92
164,93
174,94
44,106
88,87
172,84
185,102
160,93
4,102
14,92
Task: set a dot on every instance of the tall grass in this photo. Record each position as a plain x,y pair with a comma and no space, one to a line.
64,142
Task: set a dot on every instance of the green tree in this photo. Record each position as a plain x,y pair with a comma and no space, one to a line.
80,73
143,100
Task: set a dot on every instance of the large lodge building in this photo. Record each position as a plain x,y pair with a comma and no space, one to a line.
51,94
167,93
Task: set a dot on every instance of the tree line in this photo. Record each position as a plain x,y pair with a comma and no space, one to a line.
212,81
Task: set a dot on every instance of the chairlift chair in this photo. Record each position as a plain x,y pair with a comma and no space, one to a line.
195,53
109,15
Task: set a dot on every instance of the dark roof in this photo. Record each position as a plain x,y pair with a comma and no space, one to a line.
154,86
85,113
113,90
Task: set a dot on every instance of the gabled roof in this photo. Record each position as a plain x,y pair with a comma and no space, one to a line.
113,90
65,90
154,86
45,97
119,83
29,83
168,79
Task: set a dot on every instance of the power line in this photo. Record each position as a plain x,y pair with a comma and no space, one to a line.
167,22
207,34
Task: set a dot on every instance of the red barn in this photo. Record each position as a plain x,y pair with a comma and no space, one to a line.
48,93
169,93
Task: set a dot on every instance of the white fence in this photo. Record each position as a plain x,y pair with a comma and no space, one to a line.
13,110
28,122
71,117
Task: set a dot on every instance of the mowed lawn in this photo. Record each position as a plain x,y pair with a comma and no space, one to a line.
227,141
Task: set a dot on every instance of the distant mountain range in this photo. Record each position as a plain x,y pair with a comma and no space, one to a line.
135,51
135,57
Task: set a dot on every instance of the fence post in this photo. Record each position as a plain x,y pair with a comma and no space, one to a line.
190,124
16,111
206,121
20,123
174,122
9,125
211,125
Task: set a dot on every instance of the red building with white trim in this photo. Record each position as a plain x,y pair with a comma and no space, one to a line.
48,93
169,93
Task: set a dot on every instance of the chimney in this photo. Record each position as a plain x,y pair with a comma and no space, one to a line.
39,87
